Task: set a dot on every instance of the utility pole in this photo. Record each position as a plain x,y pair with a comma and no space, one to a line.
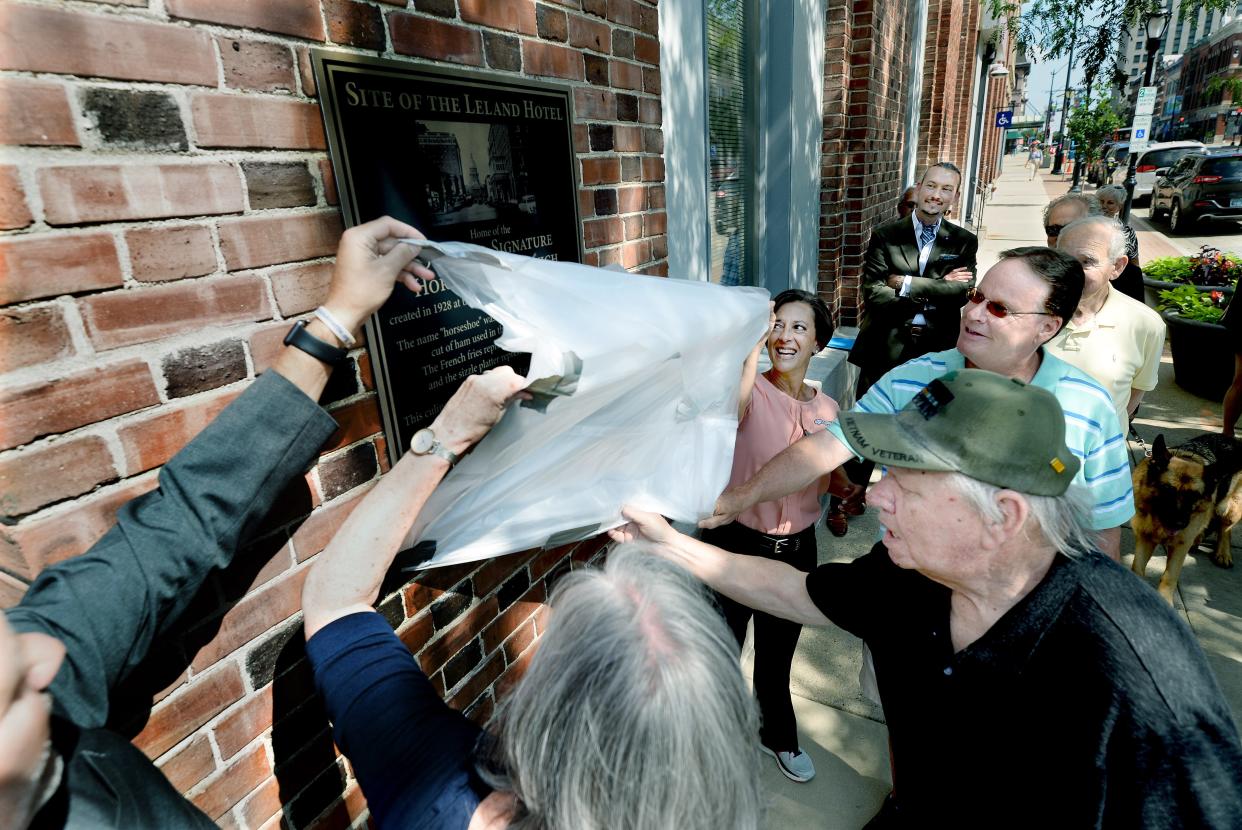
1048,111
1069,71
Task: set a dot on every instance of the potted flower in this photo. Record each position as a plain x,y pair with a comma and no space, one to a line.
1209,270
1202,356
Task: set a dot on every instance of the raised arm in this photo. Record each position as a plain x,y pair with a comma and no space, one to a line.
750,368
346,577
793,469
762,584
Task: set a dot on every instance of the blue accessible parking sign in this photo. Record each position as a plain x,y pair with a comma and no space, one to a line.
1004,118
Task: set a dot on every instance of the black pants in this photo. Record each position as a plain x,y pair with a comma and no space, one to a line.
775,638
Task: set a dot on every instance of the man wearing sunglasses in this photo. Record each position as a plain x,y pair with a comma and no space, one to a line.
1063,210
1020,304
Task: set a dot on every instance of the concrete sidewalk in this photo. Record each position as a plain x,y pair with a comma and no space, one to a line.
843,732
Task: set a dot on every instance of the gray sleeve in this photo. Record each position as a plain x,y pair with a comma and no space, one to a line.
110,604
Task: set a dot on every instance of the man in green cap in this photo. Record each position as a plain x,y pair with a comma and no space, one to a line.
1027,680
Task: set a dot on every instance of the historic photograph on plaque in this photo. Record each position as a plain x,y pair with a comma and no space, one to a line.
463,156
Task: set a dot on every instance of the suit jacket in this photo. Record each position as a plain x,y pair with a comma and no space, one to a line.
111,605
884,338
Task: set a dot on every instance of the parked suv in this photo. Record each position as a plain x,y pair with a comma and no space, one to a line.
1199,187
1112,156
1163,154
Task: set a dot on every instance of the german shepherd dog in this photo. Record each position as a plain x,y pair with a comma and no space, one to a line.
1182,492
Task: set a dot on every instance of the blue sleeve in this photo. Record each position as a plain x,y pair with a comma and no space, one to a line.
413,755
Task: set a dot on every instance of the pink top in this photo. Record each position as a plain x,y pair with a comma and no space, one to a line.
774,421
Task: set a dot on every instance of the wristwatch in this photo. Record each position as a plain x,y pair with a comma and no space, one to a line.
424,442
300,338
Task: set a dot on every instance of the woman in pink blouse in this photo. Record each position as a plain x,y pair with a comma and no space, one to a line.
776,409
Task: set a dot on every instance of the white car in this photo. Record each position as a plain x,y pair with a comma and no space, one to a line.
1156,156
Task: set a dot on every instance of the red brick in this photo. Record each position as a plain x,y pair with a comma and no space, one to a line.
424,37
266,345
329,182
255,809
648,20
123,318
540,58
33,335
513,617
256,65
597,232
511,15
11,591
299,18
68,42
73,195
300,288
254,241
181,714
354,24
33,545
150,442
656,194
45,265
594,105
519,642
416,634
233,783
464,629
647,49
649,110
633,226
315,533
170,252
354,422
624,12
244,722
631,199
634,254
626,138
35,112
655,224
59,471
275,603
59,405
14,212
601,170
585,33
470,689
222,120
626,75
306,72
586,204
653,169
191,764
651,81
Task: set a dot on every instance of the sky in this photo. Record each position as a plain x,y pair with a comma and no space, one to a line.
1040,81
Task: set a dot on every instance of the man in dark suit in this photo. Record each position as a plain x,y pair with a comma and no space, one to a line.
914,284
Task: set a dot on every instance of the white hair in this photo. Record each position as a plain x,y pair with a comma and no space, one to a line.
1060,521
1118,192
1116,236
634,713
1087,201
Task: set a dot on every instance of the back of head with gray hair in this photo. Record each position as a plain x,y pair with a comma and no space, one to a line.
1060,521
1116,238
1090,204
1117,191
633,713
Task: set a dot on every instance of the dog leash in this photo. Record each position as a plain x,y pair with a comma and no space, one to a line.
1142,444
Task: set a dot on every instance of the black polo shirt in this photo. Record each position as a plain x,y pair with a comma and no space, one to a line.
1088,704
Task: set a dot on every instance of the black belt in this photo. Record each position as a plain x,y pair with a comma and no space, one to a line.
774,545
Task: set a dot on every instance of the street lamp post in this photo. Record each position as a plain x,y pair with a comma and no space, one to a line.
1076,186
1155,25
1048,111
1069,71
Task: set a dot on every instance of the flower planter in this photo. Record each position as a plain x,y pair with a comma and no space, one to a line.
1152,289
1202,356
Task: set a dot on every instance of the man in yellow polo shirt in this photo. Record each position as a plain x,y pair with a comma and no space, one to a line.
1113,338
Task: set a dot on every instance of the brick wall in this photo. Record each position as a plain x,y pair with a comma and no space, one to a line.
865,80
948,80
167,209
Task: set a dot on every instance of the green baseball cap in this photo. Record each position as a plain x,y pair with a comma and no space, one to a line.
990,428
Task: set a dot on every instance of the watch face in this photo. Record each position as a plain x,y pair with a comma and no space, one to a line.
422,442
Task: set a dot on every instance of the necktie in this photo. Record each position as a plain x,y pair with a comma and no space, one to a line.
926,235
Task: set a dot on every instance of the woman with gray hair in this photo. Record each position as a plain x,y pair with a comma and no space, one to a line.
1111,198
633,712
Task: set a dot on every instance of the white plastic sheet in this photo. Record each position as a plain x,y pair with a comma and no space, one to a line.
651,367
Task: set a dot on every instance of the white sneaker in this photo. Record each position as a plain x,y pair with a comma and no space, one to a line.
796,766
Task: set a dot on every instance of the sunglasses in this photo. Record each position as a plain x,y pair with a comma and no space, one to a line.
998,309
1053,230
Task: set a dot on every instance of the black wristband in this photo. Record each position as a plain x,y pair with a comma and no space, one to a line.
300,338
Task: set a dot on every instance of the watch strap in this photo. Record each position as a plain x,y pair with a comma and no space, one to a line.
300,338
444,452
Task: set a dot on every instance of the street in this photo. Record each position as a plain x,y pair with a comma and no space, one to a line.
1155,239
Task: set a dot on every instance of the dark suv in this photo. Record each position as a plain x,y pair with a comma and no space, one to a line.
1199,187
